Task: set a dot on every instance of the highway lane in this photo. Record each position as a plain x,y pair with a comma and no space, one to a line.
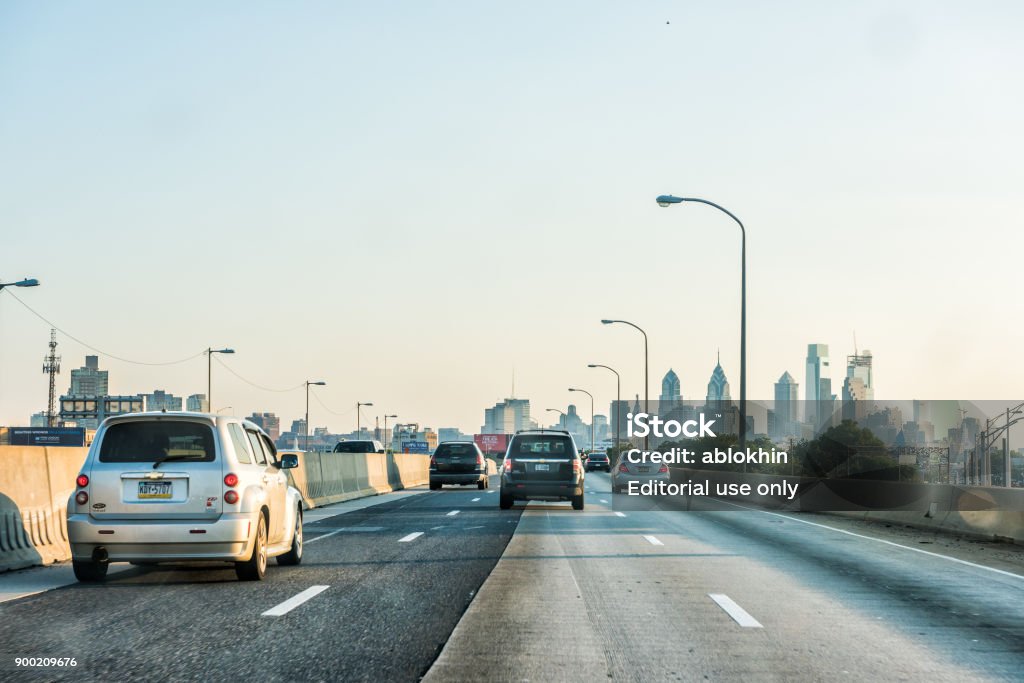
388,608
741,595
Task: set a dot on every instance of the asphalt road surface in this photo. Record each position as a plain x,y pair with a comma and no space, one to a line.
444,585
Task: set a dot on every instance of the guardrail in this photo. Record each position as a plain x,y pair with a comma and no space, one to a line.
36,482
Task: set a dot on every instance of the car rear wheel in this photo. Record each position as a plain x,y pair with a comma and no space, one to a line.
577,502
88,571
482,484
434,486
255,568
294,554
505,502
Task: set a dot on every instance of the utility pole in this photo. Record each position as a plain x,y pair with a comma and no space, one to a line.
51,367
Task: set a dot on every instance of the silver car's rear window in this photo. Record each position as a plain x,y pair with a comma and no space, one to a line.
140,441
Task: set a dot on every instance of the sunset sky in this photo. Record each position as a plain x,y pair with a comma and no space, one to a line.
412,201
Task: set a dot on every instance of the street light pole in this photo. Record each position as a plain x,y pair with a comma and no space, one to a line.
209,374
316,384
387,446
646,383
584,391
359,426
618,397
668,200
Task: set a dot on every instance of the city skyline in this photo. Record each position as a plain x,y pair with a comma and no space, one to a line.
324,194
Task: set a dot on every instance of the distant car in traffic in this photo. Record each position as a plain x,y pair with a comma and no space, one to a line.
626,471
458,462
170,487
598,461
542,464
359,446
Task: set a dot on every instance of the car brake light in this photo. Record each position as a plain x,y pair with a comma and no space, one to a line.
231,497
663,470
623,468
81,497
479,459
507,465
231,479
82,480
575,465
433,461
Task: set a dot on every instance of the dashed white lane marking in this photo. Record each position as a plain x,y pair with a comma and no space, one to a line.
294,601
738,614
452,513
879,540
474,500
320,538
653,540
411,537
620,514
604,501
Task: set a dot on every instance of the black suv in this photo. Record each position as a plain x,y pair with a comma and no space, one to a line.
598,461
458,462
541,463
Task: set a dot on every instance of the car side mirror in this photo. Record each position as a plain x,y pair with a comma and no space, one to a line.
288,461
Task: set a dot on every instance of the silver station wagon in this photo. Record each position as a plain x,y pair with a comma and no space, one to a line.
173,487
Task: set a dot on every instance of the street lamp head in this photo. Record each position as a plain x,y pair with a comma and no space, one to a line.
390,416
222,350
667,200
607,322
28,282
319,384
591,365
366,404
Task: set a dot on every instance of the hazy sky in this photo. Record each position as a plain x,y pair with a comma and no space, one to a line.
410,199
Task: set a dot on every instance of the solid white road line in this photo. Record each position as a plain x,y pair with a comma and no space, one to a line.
879,540
738,614
620,514
452,513
411,537
294,601
474,500
653,540
314,540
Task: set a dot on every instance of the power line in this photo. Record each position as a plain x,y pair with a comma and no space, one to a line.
93,348
332,412
253,384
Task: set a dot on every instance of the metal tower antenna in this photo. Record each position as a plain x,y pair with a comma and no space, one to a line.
51,367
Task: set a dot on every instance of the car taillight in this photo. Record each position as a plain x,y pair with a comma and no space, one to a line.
82,480
479,459
81,497
433,461
623,468
663,470
575,465
231,497
231,479
507,465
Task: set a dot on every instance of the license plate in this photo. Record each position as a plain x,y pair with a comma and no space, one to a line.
643,469
542,467
154,489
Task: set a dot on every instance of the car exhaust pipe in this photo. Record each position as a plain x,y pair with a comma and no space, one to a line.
99,554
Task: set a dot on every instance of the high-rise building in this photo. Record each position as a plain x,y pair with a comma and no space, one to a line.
161,400
269,422
671,396
858,366
600,427
89,380
507,417
196,403
855,399
818,397
787,402
718,387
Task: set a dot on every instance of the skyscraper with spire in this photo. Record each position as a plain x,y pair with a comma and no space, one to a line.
718,387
